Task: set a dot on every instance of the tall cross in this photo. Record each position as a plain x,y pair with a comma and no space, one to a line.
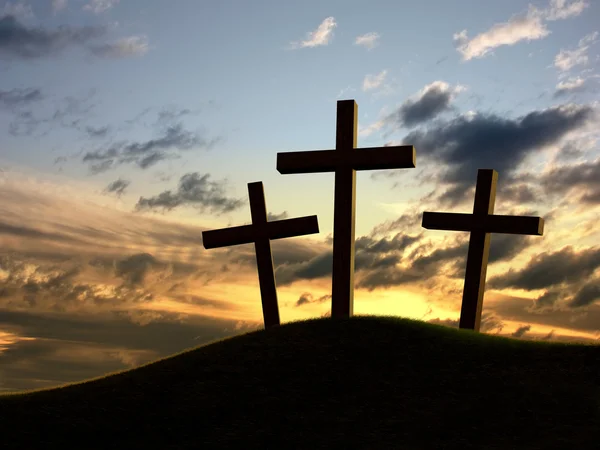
344,161
481,223
261,232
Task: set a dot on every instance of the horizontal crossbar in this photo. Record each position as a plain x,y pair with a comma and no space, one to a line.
246,234
489,224
372,158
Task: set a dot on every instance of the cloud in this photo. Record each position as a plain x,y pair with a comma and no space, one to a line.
568,86
369,130
20,42
371,253
486,140
368,40
168,115
68,113
521,331
123,262
385,263
100,6
19,97
59,5
406,221
563,9
194,190
147,153
18,9
587,295
429,102
307,298
273,217
565,269
423,264
579,181
136,268
489,322
374,81
518,28
567,59
321,36
123,48
97,132
118,187
64,348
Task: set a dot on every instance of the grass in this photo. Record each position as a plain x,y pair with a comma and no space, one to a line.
363,382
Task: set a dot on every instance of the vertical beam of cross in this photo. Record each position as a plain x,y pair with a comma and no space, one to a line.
481,224
264,257
260,232
344,161
344,215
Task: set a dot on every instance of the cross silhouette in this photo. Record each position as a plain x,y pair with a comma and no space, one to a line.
344,161
481,223
260,232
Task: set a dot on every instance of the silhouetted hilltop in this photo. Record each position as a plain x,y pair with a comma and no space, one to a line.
363,382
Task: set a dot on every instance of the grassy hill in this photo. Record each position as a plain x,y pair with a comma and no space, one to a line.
363,382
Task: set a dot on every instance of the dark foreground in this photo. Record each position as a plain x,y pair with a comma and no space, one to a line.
364,383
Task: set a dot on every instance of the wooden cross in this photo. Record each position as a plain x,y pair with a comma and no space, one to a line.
481,223
261,232
344,161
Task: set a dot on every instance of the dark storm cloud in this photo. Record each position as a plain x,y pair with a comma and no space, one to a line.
147,153
406,221
549,336
171,114
434,100
307,298
424,264
521,331
175,137
194,190
59,286
379,260
550,269
587,295
18,41
398,243
489,322
102,155
111,343
519,193
60,291
582,179
318,267
101,166
285,252
67,113
371,254
134,268
465,145
504,247
93,132
19,97
118,187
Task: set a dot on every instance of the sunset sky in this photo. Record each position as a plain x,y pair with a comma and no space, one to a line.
129,127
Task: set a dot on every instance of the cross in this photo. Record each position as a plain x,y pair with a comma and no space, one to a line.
481,223
261,232
344,161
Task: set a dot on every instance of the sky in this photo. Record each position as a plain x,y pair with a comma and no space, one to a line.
128,127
